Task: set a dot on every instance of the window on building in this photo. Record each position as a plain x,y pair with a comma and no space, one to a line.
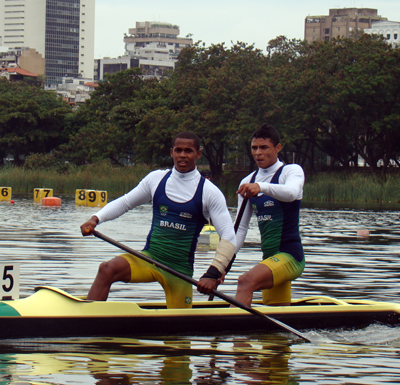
395,36
327,30
388,36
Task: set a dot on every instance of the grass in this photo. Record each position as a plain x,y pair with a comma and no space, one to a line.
114,180
323,187
352,188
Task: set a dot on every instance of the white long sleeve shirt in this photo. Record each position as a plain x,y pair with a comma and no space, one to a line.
180,187
290,188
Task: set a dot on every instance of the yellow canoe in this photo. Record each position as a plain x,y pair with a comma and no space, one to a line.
51,312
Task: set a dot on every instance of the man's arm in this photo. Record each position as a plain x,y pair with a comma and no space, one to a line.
290,186
141,194
244,223
222,222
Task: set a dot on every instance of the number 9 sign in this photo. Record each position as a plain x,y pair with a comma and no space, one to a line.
9,281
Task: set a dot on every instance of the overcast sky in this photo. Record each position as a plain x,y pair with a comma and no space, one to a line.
218,21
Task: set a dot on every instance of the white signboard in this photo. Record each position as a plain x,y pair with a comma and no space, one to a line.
9,281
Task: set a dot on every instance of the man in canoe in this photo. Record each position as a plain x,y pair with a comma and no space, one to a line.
183,201
274,191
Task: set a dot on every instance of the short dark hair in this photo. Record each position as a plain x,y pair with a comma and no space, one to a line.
267,131
187,135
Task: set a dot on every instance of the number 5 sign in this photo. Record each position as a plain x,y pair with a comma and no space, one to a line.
9,281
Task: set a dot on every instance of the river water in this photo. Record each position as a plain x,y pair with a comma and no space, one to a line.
48,245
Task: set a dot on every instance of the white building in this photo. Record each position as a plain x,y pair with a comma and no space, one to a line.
62,31
75,90
153,46
388,29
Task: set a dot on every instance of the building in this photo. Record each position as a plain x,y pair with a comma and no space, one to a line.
13,73
26,58
113,65
62,31
75,91
342,22
153,46
388,29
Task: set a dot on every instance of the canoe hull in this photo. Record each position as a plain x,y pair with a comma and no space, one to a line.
53,313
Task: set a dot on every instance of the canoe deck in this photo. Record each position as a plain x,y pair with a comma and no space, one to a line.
51,312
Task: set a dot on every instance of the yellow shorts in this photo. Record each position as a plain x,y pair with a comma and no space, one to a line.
284,270
178,293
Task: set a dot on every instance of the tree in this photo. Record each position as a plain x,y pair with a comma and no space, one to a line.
359,87
108,119
31,120
208,88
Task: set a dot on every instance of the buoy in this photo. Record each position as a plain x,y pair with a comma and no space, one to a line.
51,201
363,233
12,202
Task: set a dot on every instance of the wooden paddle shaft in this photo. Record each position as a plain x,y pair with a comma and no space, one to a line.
186,278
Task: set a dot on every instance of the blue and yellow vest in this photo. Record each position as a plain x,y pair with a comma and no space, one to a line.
175,228
278,223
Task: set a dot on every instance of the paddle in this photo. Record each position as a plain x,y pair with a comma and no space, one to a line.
186,278
235,227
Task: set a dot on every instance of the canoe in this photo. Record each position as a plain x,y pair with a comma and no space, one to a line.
208,237
52,312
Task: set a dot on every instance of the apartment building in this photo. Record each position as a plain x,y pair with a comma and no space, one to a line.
153,46
341,22
62,31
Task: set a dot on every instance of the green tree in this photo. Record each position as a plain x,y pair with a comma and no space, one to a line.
108,119
31,120
358,110
208,86
338,98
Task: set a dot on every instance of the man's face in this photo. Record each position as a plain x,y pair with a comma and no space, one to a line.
264,152
185,155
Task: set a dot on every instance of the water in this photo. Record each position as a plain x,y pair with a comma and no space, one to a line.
48,245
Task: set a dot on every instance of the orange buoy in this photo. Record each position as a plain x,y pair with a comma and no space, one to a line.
51,201
363,233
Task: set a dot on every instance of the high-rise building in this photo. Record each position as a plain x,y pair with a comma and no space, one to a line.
156,45
340,22
62,31
153,46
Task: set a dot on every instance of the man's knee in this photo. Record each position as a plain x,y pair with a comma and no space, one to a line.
114,270
245,281
105,269
258,278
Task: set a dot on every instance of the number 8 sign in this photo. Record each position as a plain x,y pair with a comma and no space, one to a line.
9,281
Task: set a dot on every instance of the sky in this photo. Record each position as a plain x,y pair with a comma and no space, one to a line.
219,21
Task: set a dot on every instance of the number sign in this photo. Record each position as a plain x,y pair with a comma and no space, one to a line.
9,281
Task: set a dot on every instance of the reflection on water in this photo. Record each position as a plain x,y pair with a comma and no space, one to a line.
47,243
260,359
